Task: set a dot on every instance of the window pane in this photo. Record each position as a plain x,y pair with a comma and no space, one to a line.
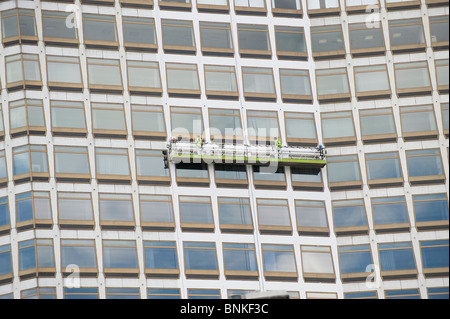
68,114
337,125
417,118
160,255
391,210
234,211
78,252
139,30
75,206
119,254
200,256
349,213
64,69
362,37
71,160
154,208
435,254
343,171
317,262
273,212
239,257
396,256
295,82
195,210
354,259
377,122
54,25
278,258
371,78
117,207
405,32
311,214
177,32
114,163
424,163
327,38
215,35
412,75
383,166
332,81
430,207
99,27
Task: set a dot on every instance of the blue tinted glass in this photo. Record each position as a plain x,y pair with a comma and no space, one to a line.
384,168
4,215
5,263
397,259
120,257
390,213
27,258
45,256
160,258
425,165
431,211
24,210
343,172
202,259
235,214
367,294
435,257
282,261
82,256
353,262
243,260
349,216
21,163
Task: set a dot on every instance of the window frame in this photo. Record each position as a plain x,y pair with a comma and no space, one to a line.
201,273
100,44
187,110
418,135
261,139
291,55
350,230
352,276
156,226
64,86
23,84
144,90
309,277
279,275
362,52
221,95
34,223
196,227
132,46
76,223
153,180
98,2
8,277
430,272
31,176
20,39
193,181
375,94
392,227
403,5
338,141
27,129
407,48
37,271
337,97
402,273
111,178
240,274
273,229
385,182
432,224
111,224
230,183
178,49
327,55
361,9
211,51
437,45
259,96
112,133
287,13
316,13
412,91
136,4
68,131
82,271
183,93
148,135
311,231
252,11
120,272
442,88
72,177
175,5
270,184
425,179
377,138
6,228
444,108
299,141
159,273
252,53
59,41
235,228
212,8
296,98
104,88
436,3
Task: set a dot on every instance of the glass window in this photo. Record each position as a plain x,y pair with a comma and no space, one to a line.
384,170
221,82
81,293
323,7
418,122
439,32
108,120
68,118
182,80
327,41
279,262
36,258
259,84
112,165
250,7
30,163
187,122
300,129
412,78
290,43
344,172
338,128
23,72
390,214
144,78
33,209
120,258
139,34
350,217
372,82
204,294
397,259
273,216
38,293
56,32
178,36
254,41
148,122
438,293
64,73
287,8
4,216
295,86
394,5
116,211
2,128
160,259
406,35
333,85
377,125
445,117
183,5
26,117
78,253
307,179
217,6
434,257
19,26
225,125
402,294
152,167
192,174
361,295
122,293
196,213
104,76
425,166
216,39
156,212
240,261
321,295
200,260
311,218
235,215
353,262
164,293
3,169
75,210
442,71
229,175
6,270
366,41
262,126
431,211
359,6
72,164
100,31
269,177
317,264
